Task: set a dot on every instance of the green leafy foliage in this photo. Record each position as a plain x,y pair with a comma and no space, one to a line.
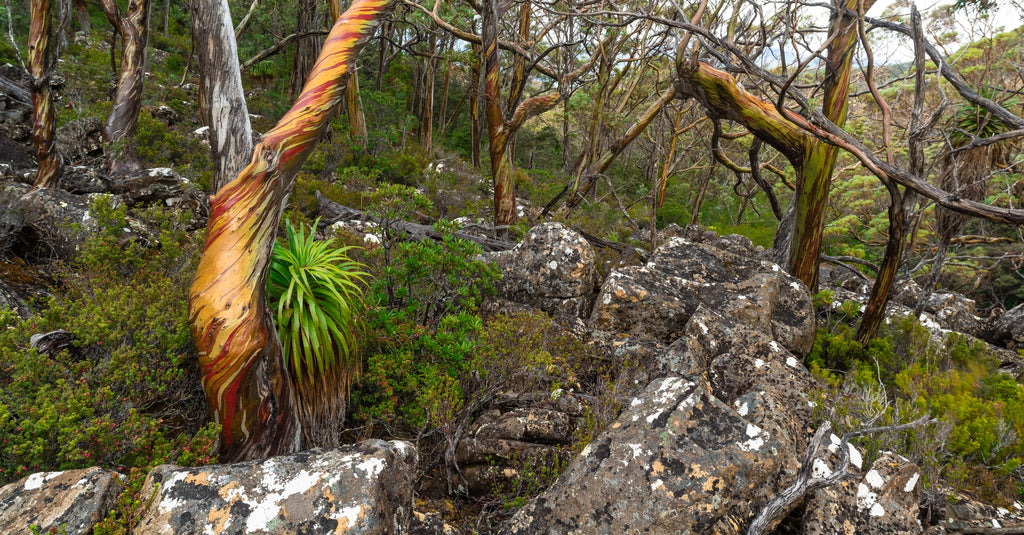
978,444
315,290
127,394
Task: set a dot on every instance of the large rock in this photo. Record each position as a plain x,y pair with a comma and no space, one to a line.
72,501
881,502
531,430
656,300
366,488
700,452
1008,330
552,269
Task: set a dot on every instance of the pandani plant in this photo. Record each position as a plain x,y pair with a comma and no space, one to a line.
315,291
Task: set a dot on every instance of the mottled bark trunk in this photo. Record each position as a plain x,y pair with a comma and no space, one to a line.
306,48
221,95
82,15
501,161
120,129
44,119
813,182
244,375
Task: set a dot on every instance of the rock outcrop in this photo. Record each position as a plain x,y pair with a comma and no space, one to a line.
517,431
366,488
552,269
656,300
72,501
697,452
881,502
1008,330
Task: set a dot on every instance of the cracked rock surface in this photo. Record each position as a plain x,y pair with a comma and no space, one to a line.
366,488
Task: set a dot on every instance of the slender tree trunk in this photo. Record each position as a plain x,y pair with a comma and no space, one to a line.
245,378
819,159
221,95
474,108
120,129
82,14
501,161
306,48
608,156
44,118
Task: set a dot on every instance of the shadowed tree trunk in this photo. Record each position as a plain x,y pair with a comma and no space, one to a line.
244,375
221,95
44,120
120,129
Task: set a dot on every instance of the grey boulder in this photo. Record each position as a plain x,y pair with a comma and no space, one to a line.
365,488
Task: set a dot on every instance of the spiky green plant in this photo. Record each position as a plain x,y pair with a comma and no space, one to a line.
316,291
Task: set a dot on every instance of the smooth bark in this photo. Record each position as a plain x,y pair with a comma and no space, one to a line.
221,95
44,117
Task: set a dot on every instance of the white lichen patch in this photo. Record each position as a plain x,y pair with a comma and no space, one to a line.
371,238
877,510
658,483
874,479
834,443
866,499
791,362
912,482
775,346
820,469
756,439
758,363
349,514
270,505
169,504
553,264
36,480
371,467
1001,512
996,524
794,285
669,388
703,328
855,457
636,402
741,408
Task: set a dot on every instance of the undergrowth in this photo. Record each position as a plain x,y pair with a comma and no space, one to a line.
977,444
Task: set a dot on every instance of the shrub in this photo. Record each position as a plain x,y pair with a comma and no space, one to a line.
315,291
908,373
127,394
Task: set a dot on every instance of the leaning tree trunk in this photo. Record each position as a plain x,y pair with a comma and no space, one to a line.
120,129
819,159
44,122
244,375
221,95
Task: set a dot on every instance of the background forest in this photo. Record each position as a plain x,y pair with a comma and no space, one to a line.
602,118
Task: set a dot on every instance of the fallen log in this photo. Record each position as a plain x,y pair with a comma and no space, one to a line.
334,212
15,91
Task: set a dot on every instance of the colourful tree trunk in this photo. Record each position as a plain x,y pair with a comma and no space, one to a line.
44,120
815,174
124,118
244,376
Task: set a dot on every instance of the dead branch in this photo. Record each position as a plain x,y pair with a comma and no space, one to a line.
774,510
334,212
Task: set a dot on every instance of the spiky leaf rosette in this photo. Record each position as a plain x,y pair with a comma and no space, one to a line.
315,291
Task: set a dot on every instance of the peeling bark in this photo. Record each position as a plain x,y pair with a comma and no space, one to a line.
222,97
44,119
124,118
246,381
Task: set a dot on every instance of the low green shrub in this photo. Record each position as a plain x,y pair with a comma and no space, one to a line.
127,395
978,443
